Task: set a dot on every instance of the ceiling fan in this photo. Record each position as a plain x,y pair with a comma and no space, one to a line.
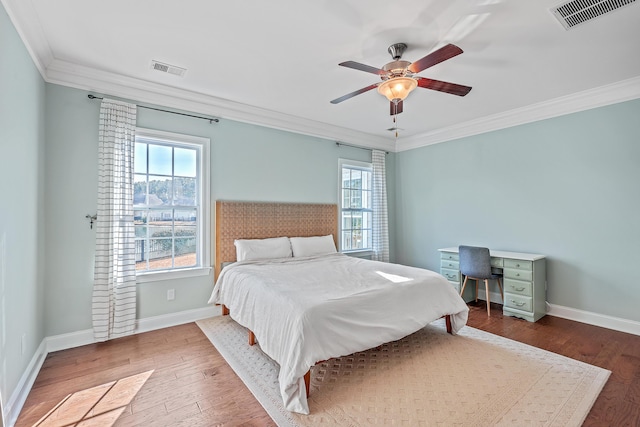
399,77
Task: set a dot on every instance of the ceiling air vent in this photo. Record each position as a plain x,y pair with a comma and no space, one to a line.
576,12
166,68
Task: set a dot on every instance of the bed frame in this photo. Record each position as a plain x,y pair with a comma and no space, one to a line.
261,220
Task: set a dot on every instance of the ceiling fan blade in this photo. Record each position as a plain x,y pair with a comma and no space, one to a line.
452,88
442,54
362,67
395,108
352,94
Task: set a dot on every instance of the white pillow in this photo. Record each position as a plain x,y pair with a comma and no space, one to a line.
250,249
316,245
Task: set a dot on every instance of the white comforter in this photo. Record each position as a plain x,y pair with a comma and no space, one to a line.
303,310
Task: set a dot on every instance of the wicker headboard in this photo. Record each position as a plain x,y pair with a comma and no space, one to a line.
260,220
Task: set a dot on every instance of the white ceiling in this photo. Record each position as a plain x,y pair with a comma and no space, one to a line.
276,62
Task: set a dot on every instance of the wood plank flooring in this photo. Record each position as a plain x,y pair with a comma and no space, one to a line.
183,380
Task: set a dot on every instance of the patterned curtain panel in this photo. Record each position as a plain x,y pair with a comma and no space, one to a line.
380,219
114,288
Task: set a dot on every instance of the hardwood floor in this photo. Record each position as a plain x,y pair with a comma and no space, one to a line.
174,377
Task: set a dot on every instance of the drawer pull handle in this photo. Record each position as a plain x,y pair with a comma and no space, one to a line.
517,274
519,304
517,289
449,276
517,265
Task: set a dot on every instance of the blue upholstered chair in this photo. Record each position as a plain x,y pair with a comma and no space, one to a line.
475,264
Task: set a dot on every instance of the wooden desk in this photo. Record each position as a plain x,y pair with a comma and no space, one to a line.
524,282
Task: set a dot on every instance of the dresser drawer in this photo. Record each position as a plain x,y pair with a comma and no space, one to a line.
518,302
450,256
450,275
497,262
518,287
446,263
512,273
517,263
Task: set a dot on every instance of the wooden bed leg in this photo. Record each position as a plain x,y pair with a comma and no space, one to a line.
225,310
447,320
307,381
252,338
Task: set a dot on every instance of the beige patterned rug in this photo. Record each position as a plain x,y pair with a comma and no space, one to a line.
429,378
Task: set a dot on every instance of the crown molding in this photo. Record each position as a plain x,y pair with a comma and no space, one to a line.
30,31
624,90
90,79
85,78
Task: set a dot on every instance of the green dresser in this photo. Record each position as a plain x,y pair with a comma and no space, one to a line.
524,280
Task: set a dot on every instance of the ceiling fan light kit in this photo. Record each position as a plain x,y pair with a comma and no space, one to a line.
399,77
398,88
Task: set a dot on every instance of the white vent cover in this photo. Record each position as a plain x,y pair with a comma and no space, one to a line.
576,12
166,68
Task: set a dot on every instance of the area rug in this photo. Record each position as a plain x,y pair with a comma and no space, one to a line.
429,378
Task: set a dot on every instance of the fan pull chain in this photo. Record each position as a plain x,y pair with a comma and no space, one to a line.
395,124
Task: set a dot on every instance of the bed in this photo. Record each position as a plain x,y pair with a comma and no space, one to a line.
315,305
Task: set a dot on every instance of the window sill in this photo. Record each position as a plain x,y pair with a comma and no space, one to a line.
156,276
367,253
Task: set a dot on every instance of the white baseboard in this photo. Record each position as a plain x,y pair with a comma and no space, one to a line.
602,320
19,396
588,317
84,337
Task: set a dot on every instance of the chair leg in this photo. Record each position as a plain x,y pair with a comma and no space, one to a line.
477,282
501,292
486,287
463,285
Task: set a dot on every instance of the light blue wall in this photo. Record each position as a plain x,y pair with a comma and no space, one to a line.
247,163
22,150
567,187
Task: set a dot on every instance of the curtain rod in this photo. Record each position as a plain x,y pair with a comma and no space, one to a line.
211,120
338,143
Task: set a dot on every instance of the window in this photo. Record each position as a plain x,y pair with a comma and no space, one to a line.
170,202
355,206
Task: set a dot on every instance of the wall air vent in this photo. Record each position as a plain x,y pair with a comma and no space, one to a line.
576,12
166,68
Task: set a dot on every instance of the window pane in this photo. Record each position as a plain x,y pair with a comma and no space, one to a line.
366,239
140,223
160,162
366,199
356,200
185,162
366,180
346,240
367,218
346,220
356,178
159,191
160,253
184,191
140,158
346,178
160,223
142,254
346,198
185,252
356,239
139,189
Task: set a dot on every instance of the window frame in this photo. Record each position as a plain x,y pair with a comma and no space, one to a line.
357,165
203,209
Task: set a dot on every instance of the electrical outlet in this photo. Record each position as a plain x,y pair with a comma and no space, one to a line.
171,294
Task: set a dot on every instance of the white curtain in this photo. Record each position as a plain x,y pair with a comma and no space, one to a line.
114,287
380,219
